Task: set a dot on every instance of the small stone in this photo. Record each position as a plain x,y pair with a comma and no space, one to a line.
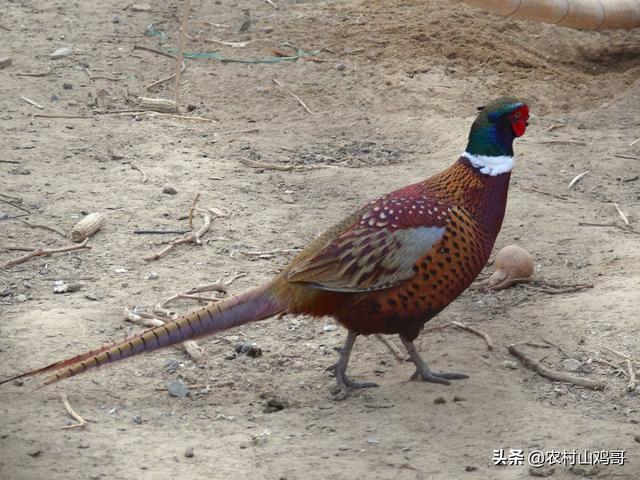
67,86
510,364
19,171
140,7
169,190
5,62
275,405
541,471
22,297
340,66
54,98
4,216
171,365
115,19
93,296
439,401
329,328
178,389
5,292
34,452
137,419
120,270
244,146
189,452
636,438
249,349
470,468
152,276
457,398
18,382
571,365
372,441
61,53
83,445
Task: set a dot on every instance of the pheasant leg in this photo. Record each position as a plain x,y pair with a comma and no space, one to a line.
340,367
423,371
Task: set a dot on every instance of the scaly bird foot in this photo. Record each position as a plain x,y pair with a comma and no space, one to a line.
424,372
437,377
345,382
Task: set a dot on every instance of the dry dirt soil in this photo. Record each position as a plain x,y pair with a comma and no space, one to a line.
392,93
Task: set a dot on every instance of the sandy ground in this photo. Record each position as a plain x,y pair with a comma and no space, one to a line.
392,100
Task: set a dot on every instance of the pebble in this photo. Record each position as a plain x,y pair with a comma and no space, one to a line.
177,389
571,365
457,398
60,287
439,401
22,297
372,441
115,19
19,171
249,349
61,53
152,276
510,364
3,216
189,452
637,438
34,452
329,328
275,405
470,468
169,190
5,62
140,7
137,419
67,86
171,365
93,296
5,292
340,66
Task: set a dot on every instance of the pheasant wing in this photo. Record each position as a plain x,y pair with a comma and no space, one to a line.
379,250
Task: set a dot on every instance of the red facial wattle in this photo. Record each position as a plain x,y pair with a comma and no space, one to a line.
519,120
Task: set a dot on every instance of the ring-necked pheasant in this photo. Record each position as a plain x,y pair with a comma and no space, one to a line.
388,268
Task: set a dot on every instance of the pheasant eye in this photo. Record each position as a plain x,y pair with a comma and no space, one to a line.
518,115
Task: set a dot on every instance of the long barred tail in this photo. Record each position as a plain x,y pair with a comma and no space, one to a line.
247,307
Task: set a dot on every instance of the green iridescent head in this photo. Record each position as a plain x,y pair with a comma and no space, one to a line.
496,126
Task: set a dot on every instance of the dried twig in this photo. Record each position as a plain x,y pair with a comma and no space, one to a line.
549,194
577,178
81,421
40,252
44,227
270,2
180,58
304,105
590,224
193,207
31,102
134,113
34,74
631,386
160,232
629,157
15,162
621,213
268,253
135,166
229,44
166,54
480,333
282,168
556,376
392,347
634,142
193,238
13,203
54,115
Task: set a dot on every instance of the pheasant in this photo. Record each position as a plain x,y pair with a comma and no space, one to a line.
388,268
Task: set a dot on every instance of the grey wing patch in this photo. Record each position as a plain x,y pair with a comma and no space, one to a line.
367,260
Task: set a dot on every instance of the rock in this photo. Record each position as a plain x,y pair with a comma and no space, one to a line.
510,364
470,468
60,287
61,53
22,297
34,452
171,365
5,292
115,19
5,62
439,401
372,441
169,190
137,419
541,471
636,438
275,405
140,7
340,66
571,365
152,276
93,296
67,86
189,452
329,328
178,389
457,398
249,349
4,216
19,171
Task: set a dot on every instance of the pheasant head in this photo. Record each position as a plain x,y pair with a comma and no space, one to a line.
490,147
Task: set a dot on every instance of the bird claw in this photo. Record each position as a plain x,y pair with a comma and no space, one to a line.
344,382
437,377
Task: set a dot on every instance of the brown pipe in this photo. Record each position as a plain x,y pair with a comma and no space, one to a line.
579,14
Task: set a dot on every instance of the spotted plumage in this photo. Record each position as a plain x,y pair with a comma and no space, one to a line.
388,268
